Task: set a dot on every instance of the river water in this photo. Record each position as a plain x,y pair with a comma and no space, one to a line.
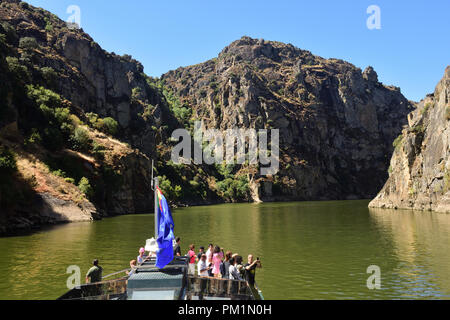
308,250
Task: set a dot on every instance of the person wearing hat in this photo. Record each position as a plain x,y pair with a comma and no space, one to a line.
95,273
140,258
200,252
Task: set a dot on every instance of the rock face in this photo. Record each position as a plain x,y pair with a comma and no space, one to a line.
37,48
88,76
419,176
336,122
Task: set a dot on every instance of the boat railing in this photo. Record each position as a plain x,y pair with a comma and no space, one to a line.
209,287
106,290
116,273
258,292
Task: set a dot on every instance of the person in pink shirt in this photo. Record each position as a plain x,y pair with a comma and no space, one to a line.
192,257
217,260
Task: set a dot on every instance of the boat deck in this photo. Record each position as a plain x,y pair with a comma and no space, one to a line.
147,282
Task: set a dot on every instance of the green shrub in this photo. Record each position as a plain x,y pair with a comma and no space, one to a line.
147,111
80,139
398,141
20,71
3,39
417,129
48,25
171,193
35,137
234,189
178,191
447,113
98,151
49,75
86,187
44,96
426,108
181,111
136,94
107,125
226,170
59,173
194,184
164,184
60,125
110,126
28,43
7,161
92,118
70,180
9,31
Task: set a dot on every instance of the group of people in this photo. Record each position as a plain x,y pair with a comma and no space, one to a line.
215,263
212,263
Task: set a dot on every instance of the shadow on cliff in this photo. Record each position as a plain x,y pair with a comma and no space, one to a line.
20,206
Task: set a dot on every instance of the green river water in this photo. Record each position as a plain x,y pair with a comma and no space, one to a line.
309,250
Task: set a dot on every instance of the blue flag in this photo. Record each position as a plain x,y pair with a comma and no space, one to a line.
165,232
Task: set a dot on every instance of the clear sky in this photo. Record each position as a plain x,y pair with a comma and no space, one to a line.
411,50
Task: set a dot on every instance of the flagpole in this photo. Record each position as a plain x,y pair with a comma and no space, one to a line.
154,185
156,206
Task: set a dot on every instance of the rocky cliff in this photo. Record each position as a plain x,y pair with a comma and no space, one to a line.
336,122
79,125
419,173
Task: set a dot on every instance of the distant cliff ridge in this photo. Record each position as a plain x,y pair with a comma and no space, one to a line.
419,173
336,122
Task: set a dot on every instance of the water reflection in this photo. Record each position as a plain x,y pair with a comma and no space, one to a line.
421,241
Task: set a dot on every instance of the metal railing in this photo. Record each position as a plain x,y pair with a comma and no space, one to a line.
203,287
107,290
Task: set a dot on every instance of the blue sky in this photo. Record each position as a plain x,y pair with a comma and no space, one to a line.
411,50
